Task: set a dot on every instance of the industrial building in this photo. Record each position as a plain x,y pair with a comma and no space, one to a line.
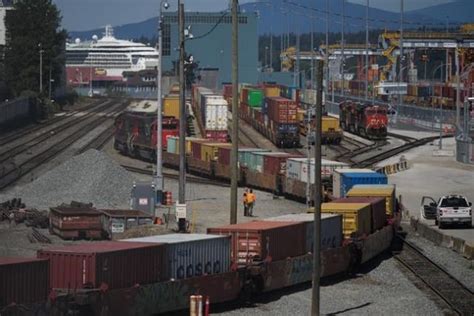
211,43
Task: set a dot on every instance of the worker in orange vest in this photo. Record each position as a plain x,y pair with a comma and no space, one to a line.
251,198
245,202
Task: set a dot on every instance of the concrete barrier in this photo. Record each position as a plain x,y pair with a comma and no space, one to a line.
394,168
457,244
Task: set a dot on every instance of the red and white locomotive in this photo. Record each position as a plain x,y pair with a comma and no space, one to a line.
369,121
135,130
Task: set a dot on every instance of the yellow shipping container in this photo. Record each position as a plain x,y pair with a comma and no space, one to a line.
300,115
381,190
209,150
189,140
330,124
171,106
356,217
272,92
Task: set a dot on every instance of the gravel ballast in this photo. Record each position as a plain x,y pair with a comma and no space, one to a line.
89,177
381,290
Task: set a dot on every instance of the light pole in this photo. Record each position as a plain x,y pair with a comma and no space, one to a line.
343,44
41,51
91,64
400,76
440,107
159,183
367,51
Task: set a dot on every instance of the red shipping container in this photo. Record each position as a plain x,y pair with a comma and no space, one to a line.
196,149
275,163
113,264
244,94
223,155
23,281
264,240
227,91
377,205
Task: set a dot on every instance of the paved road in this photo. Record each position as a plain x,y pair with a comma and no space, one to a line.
434,176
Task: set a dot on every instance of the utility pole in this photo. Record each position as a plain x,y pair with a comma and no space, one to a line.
367,52
182,108
447,51
159,185
271,40
312,50
343,44
50,80
315,299
235,117
41,51
400,75
297,68
327,51
458,89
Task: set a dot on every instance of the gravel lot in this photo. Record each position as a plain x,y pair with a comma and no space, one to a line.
89,177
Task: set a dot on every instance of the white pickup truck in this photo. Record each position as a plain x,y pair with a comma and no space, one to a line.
450,209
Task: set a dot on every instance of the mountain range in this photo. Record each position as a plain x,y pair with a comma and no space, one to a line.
275,19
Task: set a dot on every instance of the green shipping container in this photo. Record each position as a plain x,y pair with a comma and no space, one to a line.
255,98
246,156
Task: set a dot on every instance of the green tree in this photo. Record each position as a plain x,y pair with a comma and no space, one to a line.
33,25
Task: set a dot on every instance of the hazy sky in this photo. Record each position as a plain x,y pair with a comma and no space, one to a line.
89,14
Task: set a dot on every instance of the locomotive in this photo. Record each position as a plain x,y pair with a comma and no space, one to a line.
135,130
368,121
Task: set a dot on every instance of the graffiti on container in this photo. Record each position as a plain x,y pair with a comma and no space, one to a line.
161,297
301,269
198,269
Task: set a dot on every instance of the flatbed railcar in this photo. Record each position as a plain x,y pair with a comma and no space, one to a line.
369,121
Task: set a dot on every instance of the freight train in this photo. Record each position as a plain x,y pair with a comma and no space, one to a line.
283,174
235,261
370,121
135,130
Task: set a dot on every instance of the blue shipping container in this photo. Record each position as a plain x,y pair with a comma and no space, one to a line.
348,179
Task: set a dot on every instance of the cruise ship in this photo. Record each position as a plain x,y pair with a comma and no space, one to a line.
106,59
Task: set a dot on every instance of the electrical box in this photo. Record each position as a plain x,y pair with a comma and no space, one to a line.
143,197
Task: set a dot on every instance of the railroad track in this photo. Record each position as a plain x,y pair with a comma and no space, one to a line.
5,139
98,142
446,287
168,175
48,133
394,151
13,172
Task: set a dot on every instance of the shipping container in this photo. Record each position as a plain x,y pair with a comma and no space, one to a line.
275,163
215,114
118,221
76,222
173,145
356,217
345,179
377,207
386,191
297,168
254,98
113,264
171,106
331,228
261,240
246,154
192,255
23,281
209,151
271,90
282,110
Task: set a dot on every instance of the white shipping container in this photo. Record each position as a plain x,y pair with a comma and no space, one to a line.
331,228
191,255
216,114
297,168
